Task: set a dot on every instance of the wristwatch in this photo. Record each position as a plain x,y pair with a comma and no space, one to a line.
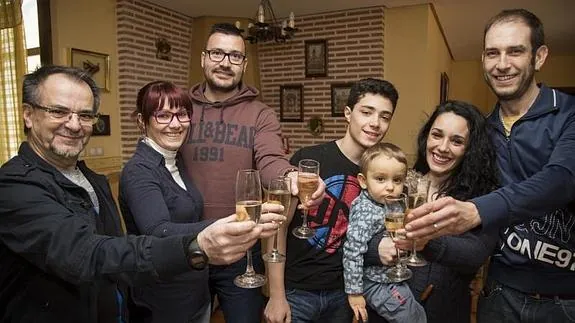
289,170
197,258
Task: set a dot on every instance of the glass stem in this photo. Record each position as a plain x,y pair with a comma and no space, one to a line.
249,266
398,264
304,224
414,249
275,237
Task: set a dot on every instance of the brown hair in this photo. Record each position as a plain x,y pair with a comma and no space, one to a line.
382,148
154,95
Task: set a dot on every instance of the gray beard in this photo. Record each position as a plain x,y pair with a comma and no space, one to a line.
68,153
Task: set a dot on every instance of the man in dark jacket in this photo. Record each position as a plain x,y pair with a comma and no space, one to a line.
63,256
532,274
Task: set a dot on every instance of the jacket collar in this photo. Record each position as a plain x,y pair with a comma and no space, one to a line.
545,102
32,158
366,195
149,155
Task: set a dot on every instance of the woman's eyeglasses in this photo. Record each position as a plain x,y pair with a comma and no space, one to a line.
166,117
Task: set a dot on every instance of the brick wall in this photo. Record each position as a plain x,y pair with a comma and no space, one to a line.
355,50
140,23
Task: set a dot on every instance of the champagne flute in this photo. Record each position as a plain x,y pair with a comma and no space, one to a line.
249,207
307,184
278,193
394,216
417,192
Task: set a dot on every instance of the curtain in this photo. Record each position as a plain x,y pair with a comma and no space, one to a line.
12,70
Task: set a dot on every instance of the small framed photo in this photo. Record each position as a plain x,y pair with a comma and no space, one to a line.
96,64
339,94
315,58
291,103
102,127
444,88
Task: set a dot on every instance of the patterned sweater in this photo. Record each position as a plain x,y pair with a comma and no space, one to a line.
366,218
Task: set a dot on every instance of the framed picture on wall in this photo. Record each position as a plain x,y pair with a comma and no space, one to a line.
315,58
102,127
96,64
291,103
444,88
339,94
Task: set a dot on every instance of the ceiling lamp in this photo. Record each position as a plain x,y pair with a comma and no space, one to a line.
267,28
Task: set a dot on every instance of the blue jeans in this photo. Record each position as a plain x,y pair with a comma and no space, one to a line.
239,305
506,305
319,306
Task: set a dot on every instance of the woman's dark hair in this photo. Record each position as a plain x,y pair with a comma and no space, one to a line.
154,95
477,173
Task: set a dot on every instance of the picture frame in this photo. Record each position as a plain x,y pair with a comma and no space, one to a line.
315,58
339,94
96,64
291,103
102,127
444,88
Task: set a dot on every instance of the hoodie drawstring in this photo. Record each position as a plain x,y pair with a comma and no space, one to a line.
218,105
202,115
221,114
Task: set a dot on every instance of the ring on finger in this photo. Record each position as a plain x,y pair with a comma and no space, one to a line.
435,226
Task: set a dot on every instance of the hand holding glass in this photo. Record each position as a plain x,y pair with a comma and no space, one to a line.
418,189
394,216
307,184
278,193
249,207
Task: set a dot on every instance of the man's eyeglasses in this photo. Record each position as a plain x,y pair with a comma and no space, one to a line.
166,117
217,56
61,114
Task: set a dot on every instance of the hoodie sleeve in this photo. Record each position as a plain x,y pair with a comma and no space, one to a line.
269,157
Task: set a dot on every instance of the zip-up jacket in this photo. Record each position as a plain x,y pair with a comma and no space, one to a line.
535,205
60,260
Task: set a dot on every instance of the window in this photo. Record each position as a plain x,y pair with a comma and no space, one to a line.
37,29
31,31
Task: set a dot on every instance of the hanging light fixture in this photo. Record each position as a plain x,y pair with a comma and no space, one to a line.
265,27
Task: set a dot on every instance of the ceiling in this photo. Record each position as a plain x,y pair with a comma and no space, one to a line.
462,20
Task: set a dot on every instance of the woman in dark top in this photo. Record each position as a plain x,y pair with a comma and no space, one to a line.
157,198
455,153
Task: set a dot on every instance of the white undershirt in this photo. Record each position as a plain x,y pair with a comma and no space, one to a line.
170,161
77,177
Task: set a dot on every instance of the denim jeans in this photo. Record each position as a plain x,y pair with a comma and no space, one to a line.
239,305
319,306
499,303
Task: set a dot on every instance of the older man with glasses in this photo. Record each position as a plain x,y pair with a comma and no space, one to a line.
63,256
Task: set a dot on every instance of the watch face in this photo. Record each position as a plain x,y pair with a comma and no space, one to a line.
196,257
198,260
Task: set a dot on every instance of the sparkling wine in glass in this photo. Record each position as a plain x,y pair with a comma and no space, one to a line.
394,217
278,193
417,192
249,207
307,184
